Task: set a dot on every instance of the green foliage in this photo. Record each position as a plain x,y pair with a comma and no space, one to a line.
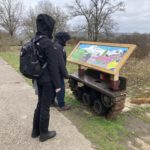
12,58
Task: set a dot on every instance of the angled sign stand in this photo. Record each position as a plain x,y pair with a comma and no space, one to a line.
105,57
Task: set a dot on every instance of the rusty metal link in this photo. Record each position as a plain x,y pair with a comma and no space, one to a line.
117,108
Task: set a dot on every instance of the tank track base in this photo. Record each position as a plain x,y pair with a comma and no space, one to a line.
116,109
98,95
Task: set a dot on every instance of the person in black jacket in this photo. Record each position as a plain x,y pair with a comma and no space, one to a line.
49,82
60,42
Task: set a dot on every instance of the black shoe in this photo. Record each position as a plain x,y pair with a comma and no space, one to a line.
64,108
54,105
46,136
35,133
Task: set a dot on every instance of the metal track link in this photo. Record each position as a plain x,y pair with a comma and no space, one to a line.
117,107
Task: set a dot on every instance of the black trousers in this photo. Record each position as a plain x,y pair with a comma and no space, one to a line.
41,115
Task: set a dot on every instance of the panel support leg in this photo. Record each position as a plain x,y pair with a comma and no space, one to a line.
115,82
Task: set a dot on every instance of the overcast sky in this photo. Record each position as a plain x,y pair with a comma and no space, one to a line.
136,17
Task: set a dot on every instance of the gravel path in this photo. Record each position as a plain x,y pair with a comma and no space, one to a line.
17,102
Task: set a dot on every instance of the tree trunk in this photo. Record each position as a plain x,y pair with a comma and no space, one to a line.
96,35
11,33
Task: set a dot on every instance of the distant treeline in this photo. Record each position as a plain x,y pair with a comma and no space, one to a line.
141,40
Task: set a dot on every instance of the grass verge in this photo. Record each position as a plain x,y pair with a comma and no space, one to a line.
12,58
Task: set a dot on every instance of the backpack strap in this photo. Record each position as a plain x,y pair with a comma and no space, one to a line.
36,39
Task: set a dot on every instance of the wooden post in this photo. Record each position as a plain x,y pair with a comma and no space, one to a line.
80,71
115,82
102,76
115,77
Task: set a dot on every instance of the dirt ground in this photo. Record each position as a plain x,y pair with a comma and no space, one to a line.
139,128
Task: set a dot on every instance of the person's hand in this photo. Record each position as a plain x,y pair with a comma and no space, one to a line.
57,90
68,76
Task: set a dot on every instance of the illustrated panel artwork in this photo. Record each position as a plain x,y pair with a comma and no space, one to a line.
107,57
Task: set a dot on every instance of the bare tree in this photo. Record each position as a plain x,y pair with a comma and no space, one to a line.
97,14
108,26
29,24
57,13
46,7
10,15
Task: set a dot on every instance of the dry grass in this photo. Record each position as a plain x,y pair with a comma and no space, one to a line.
137,72
5,48
8,43
140,101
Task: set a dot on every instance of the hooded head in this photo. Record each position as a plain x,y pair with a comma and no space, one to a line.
62,38
45,25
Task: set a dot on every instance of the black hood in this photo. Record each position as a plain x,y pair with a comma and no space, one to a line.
45,25
62,38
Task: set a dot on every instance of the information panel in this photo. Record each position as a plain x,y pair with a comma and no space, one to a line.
106,57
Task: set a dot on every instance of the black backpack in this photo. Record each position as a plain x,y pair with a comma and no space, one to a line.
30,65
